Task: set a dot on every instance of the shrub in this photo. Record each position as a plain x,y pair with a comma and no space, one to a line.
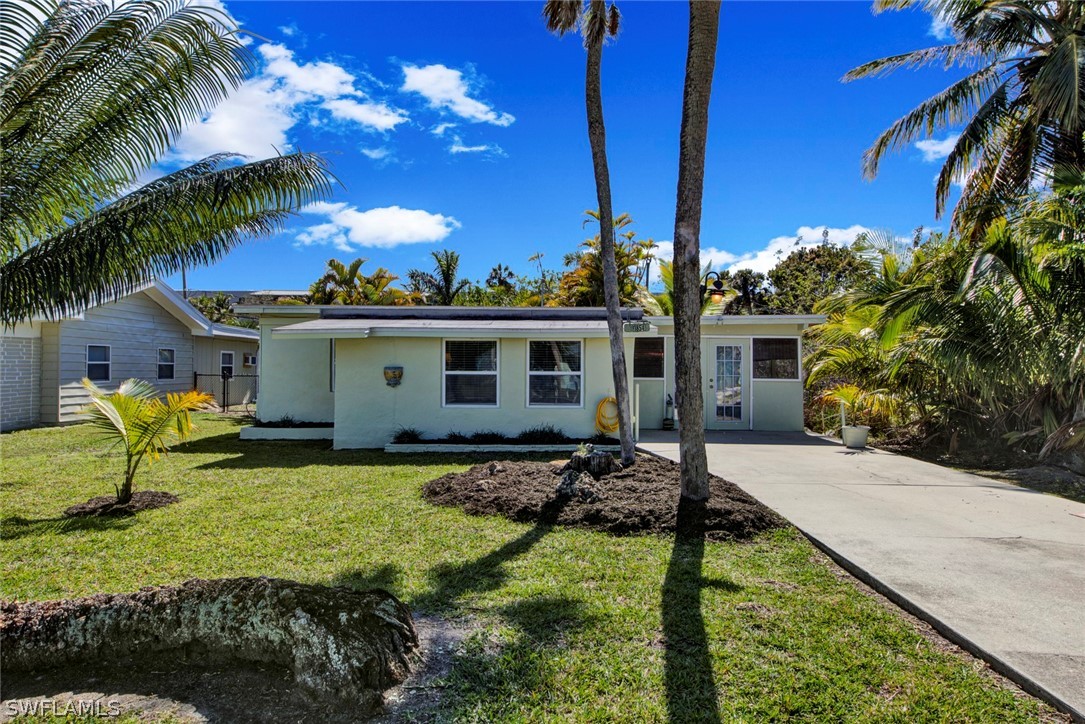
600,438
456,438
542,435
407,436
488,437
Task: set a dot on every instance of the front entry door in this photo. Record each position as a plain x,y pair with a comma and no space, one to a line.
726,406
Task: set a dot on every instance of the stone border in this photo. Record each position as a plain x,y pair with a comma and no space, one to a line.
287,433
422,447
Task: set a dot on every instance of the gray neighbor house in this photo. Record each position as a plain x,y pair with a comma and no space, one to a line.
153,334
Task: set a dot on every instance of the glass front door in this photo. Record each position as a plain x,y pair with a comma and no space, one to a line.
725,407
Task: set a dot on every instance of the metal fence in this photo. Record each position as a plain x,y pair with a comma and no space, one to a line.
228,390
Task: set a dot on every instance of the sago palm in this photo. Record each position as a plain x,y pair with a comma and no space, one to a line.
91,96
142,423
1021,107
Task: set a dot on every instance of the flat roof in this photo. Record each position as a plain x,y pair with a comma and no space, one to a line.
807,319
346,328
339,311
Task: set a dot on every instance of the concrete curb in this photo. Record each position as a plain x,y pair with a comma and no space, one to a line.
468,448
286,433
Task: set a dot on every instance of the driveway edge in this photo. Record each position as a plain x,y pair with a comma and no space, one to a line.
1026,682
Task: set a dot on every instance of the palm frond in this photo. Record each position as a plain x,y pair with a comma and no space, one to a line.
188,218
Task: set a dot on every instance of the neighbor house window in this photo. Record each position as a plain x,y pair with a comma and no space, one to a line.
555,372
167,364
648,357
776,359
470,373
98,362
226,364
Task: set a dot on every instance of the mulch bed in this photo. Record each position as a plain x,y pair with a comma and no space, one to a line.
639,500
107,506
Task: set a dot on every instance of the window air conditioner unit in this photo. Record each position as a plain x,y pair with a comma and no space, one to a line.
249,359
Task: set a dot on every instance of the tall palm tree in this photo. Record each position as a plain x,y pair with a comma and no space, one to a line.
704,23
500,276
91,95
1022,105
442,285
597,22
647,248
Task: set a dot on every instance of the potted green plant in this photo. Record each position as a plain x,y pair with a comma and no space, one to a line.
855,403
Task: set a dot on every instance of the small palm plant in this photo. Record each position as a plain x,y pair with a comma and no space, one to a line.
142,422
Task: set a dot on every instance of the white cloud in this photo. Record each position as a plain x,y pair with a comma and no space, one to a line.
347,228
446,89
935,150
940,28
458,147
440,128
373,115
318,79
289,30
256,120
772,253
375,153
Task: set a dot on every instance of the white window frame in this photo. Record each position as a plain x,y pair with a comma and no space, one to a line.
108,363
663,375
159,363
445,372
530,374
233,361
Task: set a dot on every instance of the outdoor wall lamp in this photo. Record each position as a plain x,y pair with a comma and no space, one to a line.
393,376
716,292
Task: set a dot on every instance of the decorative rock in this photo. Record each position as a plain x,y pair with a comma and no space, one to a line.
577,485
342,645
596,463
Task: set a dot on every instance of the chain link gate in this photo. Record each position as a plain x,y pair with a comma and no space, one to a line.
228,389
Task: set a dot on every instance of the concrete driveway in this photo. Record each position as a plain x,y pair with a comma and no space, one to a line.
998,568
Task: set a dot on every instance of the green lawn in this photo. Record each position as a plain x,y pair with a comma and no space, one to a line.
573,624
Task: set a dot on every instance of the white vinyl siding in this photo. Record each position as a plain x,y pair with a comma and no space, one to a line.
134,328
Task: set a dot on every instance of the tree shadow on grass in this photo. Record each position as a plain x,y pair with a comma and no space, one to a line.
15,527
687,663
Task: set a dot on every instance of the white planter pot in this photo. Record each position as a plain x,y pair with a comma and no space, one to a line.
855,436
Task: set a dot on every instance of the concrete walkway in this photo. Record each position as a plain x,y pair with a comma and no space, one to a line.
997,568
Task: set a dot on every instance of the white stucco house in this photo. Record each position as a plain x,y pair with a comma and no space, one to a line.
467,369
153,334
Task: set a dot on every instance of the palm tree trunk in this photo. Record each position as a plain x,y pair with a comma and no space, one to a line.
704,21
597,138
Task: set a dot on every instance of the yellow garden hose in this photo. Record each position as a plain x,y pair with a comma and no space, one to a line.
606,422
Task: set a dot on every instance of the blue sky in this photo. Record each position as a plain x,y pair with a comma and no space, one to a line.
462,125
